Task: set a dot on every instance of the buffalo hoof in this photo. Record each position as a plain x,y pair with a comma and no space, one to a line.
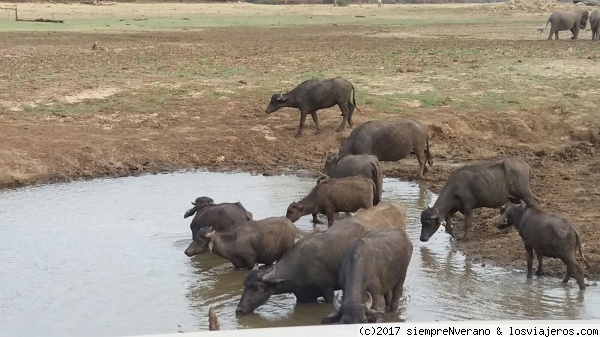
539,273
298,135
339,129
317,132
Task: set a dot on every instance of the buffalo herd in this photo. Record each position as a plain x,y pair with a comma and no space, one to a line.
366,255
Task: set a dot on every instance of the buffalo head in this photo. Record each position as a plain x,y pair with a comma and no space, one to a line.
278,101
198,203
352,313
430,222
331,159
321,178
202,242
259,285
507,214
295,211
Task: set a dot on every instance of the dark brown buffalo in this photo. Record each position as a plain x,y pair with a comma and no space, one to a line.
331,195
311,268
313,95
489,184
220,217
391,141
549,235
375,265
349,165
257,241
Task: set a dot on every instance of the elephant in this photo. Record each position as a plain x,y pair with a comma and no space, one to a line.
594,24
572,20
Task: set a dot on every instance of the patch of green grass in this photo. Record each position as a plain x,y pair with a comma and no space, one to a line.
173,19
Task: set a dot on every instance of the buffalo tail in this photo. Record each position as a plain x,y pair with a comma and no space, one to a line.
581,253
428,153
542,29
354,100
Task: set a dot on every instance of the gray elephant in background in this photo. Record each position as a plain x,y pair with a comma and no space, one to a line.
573,20
594,24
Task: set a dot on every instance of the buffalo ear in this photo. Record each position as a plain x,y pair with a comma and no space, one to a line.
434,214
502,209
189,212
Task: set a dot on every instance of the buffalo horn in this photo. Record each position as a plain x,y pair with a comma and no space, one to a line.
369,302
269,275
337,302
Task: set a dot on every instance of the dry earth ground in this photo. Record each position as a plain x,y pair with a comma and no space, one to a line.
183,86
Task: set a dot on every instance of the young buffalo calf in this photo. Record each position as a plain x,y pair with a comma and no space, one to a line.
332,195
257,241
550,235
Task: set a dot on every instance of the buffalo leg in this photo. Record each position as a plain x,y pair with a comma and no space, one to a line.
449,228
330,212
302,122
421,160
540,269
351,108
578,274
316,120
315,219
529,250
468,224
396,295
568,274
344,108
387,297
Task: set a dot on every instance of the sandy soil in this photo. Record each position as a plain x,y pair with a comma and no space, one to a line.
147,104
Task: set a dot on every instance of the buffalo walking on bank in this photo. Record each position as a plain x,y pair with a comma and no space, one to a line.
549,235
390,141
489,184
313,95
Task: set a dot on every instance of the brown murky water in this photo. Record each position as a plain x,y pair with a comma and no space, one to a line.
105,258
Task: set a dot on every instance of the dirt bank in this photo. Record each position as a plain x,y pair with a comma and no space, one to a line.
164,101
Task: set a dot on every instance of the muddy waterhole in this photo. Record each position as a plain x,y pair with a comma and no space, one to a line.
105,258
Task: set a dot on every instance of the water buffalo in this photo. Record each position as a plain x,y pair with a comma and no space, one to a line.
331,195
571,19
349,165
257,241
221,216
375,265
595,24
550,235
490,184
313,95
391,141
311,268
